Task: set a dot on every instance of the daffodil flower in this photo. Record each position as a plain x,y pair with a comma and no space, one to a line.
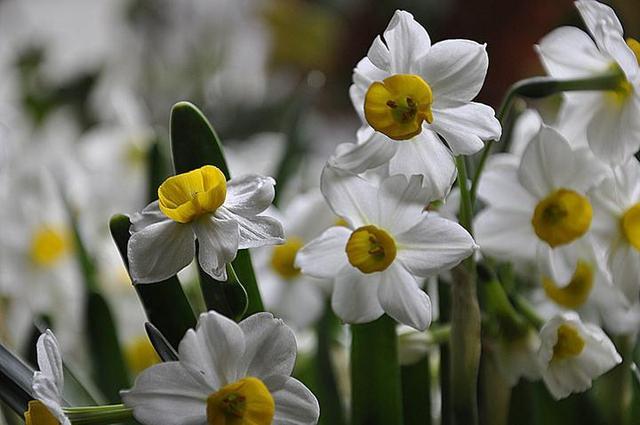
227,373
537,204
408,90
607,118
200,205
572,353
47,386
388,245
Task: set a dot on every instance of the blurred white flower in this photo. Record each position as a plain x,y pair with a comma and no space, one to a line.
572,353
200,204
608,118
48,383
226,369
291,295
389,244
515,357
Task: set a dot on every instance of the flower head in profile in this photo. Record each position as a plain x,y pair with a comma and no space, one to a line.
608,118
200,204
409,90
379,259
572,353
228,373
47,385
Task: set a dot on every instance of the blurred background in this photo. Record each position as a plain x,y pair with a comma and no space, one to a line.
86,88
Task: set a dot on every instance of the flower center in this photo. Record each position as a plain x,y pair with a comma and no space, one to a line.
140,354
370,249
48,245
562,217
569,344
576,292
245,402
630,225
38,414
187,196
399,105
284,256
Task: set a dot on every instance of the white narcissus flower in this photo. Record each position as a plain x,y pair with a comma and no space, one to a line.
515,357
47,385
616,225
537,206
608,118
297,298
572,353
413,93
226,370
378,260
200,204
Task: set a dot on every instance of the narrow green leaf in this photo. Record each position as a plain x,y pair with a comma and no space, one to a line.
416,392
15,381
194,143
226,297
375,374
109,368
164,350
165,303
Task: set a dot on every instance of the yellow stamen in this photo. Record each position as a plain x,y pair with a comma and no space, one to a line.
569,344
140,354
187,196
399,105
370,249
341,222
562,217
245,402
284,256
48,245
576,292
38,414
630,225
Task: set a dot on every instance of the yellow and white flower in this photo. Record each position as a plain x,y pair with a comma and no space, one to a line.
411,91
608,118
572,353
47,385
227,373
389,243
200,204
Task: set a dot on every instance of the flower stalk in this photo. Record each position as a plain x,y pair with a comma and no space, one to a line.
95,415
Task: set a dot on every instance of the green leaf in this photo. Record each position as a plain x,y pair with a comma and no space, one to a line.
375,374
160,344
165,303
15,381
194,143
416,392
109,368
226,297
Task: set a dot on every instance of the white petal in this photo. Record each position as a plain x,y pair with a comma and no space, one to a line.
160,250
402,299
217,244
349,196
325,256
295,404
616,46
301,303
168,394
364,74
526,127
568,52
595,13
401,202
255,230
45,390
359,157
249,195
505,233
270,347
433,245
455,70
499,186
426,155
151,214
49,359
614,131
465,127
213,349
407,41
355,296
379,54
624,263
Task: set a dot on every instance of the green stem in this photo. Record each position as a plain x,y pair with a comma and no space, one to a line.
375,374
528,311
327,386
538,87
95,415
